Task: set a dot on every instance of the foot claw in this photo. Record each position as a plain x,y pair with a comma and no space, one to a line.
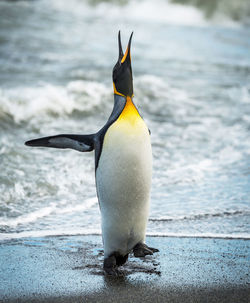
154,249
142,250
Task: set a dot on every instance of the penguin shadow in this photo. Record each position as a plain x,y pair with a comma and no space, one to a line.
146,265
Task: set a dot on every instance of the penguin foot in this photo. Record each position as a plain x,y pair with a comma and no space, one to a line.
120,260
112,262
142,250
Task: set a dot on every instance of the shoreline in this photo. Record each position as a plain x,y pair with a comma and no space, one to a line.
50,233
69,269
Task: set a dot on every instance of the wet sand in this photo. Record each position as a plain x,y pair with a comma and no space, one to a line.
69,269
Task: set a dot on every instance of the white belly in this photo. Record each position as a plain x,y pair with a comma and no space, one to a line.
123,180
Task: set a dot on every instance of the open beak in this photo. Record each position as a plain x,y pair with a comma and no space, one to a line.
126,56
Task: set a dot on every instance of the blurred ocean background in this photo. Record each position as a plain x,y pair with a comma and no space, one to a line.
191,65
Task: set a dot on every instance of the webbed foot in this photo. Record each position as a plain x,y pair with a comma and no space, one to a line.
112,262
142,250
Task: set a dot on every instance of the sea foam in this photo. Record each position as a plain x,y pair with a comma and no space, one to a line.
25,103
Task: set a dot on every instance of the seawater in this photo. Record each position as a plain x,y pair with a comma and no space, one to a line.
191,70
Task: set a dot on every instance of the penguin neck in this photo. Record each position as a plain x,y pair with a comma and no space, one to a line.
129,112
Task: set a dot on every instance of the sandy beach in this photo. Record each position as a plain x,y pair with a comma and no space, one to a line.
69,269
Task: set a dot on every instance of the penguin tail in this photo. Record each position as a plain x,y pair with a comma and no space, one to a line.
82,143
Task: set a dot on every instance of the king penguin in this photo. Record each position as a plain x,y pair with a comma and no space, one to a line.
123,169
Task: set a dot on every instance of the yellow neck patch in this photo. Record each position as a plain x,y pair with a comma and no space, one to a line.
129,113
129,126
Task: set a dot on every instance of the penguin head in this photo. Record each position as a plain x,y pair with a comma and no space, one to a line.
122,71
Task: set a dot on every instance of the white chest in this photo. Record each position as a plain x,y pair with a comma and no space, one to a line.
125,165
123,180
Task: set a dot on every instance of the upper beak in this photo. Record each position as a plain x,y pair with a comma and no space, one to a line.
126,56
120,47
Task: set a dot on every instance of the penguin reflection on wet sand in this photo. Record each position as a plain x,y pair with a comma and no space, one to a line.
123,168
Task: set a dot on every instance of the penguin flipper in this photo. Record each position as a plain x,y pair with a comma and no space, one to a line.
82,143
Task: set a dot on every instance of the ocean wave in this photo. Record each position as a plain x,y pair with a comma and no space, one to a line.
200,216
220,10
159,11
23,104
45,212
182,12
